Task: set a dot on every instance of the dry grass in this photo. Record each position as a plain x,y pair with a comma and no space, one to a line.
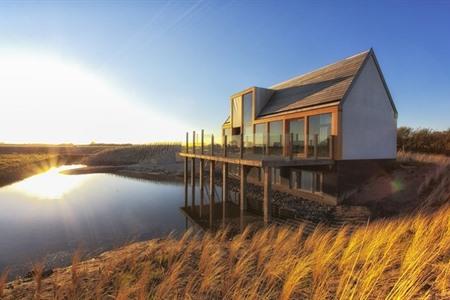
435,187
405,258
3,280
152,153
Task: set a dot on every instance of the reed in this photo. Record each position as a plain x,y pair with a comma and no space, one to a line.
3,280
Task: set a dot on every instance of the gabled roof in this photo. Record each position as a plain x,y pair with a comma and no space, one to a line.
321,86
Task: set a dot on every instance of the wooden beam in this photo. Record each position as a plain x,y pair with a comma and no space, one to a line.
202,186
186,172
243,188
224,189
212,165
193,184
267,195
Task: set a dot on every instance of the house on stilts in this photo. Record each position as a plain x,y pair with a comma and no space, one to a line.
318,136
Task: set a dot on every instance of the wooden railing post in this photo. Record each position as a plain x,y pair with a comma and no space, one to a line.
291,145
212,144
316,141
193,142
187,142
241,153
331,150
202,141
225,146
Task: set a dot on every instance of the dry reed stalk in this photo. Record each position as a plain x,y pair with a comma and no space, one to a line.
3,280
37,270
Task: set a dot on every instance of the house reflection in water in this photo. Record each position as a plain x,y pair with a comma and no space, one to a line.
221,215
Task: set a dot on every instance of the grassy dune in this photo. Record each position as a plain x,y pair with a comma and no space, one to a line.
407,258
138,154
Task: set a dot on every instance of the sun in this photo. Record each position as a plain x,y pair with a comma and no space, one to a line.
50,99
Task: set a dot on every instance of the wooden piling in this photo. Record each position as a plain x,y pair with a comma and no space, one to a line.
224,189
186,172
267,195
193,185
243,188
316,142
202,186
212,165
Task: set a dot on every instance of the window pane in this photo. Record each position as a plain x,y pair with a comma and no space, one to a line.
275,137
306,181
236,112
319,125
318,182
297,135
260,138
276,176
247,107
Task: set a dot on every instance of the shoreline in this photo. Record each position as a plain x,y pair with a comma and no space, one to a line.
132,171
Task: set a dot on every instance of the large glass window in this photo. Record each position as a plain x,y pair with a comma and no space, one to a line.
320,126
248,110
276,138
297,136
247,122
236,112
260,138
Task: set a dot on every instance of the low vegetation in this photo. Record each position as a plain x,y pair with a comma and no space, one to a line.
158,153
423,140
17,166
406,258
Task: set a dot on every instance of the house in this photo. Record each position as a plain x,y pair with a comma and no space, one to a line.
319,135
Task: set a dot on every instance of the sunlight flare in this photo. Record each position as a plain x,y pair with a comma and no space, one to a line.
47,99
50,185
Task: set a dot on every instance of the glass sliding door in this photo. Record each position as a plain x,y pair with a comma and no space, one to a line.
320,126
297,136
276,138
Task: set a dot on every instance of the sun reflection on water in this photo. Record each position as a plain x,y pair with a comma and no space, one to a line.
51,185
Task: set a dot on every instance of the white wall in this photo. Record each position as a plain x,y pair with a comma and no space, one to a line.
369,126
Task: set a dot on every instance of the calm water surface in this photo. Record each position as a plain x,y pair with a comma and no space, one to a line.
49,215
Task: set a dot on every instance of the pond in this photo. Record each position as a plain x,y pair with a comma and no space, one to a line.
49,215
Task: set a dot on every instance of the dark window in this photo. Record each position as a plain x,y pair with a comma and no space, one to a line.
276,176
306,181
318,182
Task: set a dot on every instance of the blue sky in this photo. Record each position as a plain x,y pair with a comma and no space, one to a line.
184,58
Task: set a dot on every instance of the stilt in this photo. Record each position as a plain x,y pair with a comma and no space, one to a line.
212,191
186,172
243,188
202,186
267,195
224,189
193,185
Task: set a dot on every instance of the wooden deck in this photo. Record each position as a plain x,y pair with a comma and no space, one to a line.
262,161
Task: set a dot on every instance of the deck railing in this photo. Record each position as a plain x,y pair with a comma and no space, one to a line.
260,146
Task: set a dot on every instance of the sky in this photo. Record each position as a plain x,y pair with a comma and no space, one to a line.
146,71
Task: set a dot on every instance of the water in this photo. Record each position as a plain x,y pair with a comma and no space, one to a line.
49,215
